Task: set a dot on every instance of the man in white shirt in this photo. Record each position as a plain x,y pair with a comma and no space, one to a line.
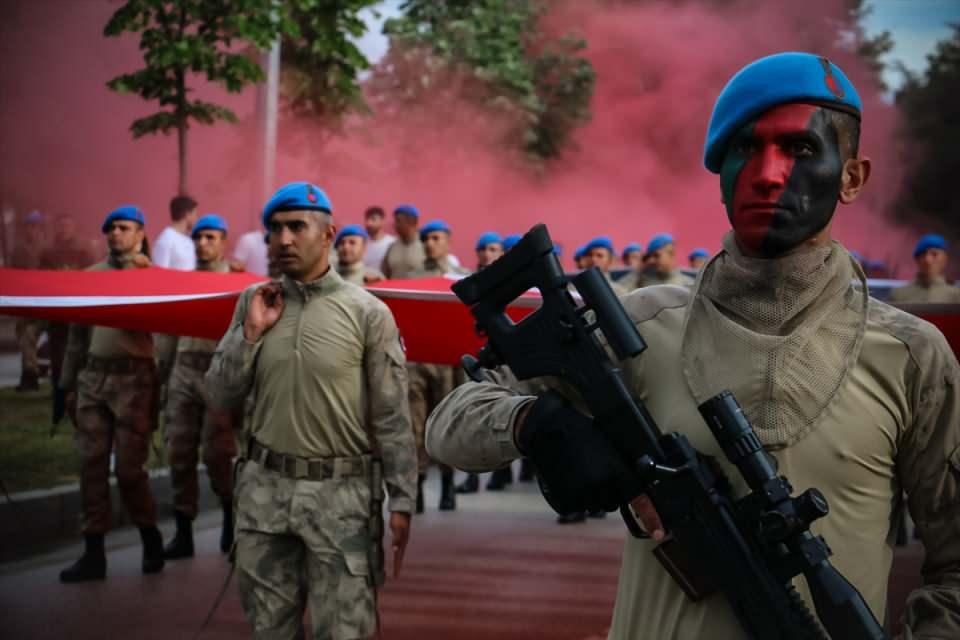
173,248
251,252
379,240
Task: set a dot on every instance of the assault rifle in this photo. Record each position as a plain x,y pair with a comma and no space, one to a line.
748,548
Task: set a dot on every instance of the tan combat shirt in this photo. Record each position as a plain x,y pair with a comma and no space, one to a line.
102,342
202,345
327,373
893,426
636,280
937,291
403,258
432,268
358,273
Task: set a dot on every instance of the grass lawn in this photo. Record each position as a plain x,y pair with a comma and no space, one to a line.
29,457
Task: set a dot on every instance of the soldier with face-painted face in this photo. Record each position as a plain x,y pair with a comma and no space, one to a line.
330,426
110,379
929,285
847,393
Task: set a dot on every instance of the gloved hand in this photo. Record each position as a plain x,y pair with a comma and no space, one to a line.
579,468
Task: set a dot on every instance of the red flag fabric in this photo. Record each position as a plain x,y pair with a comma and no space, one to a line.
436,327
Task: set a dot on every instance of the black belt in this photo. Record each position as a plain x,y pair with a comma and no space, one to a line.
199,360
118,365
299,468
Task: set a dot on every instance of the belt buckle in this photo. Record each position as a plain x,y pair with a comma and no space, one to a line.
301,469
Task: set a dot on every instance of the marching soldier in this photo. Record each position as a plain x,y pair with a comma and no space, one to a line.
405,255
929,285
698,258
323,360
599,252
110,378
632,256
659,266
191,421
351,246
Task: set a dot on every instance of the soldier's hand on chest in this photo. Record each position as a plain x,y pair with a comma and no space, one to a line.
265,308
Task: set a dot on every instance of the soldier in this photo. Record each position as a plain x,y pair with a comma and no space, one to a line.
632,256
27,256
581,259
600,253
405,255
110,378
429,383
510,240
849,394
697,258
379,240
351,243
659,266
929,285
191,421
489,247
324,361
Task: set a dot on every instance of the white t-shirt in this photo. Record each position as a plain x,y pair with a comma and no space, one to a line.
376,249
174,250
251,250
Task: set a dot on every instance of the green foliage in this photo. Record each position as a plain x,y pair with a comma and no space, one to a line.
320,63
181,37
931,136
498,43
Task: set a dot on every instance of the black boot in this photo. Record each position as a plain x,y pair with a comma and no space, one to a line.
500,479
152,549
226,532
526,470
470,485
182,544
600,513
448,497
28,382
92,565
572,518
420,480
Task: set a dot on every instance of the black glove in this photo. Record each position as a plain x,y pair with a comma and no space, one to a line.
578,467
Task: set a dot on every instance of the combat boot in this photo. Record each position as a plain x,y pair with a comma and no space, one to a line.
226,532
182,544
448,497
572,518
92,565
152,549
500,479
420,480
28,382
599,513
470,485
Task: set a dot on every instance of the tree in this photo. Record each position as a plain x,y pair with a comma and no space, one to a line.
520,71
321,64
181,38
931,135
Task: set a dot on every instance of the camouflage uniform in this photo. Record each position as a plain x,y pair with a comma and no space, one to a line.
114,375
330,391
403,259
190,421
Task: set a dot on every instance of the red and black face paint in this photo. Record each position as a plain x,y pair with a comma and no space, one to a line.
781,178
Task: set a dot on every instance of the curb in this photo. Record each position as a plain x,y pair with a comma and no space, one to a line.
38,520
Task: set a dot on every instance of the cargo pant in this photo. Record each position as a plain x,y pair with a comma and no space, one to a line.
190,423
427,386
115,399
303,543
28,333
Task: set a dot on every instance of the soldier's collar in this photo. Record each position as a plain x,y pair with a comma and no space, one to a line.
220,266
324,285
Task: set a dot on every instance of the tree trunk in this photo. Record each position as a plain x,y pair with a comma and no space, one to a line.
182,131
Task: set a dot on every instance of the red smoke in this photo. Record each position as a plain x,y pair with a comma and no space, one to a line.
637,171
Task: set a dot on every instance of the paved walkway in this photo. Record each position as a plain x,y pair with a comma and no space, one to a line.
497,568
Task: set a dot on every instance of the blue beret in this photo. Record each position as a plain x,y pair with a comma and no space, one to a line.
490,237
34,217
557,250
930,241
511,240
408,209
297,196
659,241
765,83
698,253
600,242
633,247
351,230
210,221
433,225
579,253
126,212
